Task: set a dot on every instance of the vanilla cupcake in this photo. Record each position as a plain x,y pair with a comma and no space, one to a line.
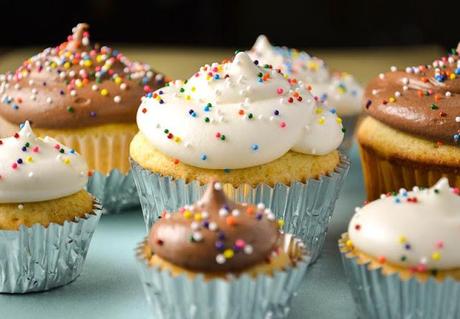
401,254
85,96
339,91
220,259
47,219
265,139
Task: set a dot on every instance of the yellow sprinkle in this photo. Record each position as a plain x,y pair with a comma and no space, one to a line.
193,89
436,256
321,120
118,80
228,253
197,217
208,77
349,244
188,97
452,76
177,139
99,58
29,159
280,223
104,92
66,65
402,240
312,65
88,63
67,161
319,110
187,214
341,90
391,99
78,83
339,120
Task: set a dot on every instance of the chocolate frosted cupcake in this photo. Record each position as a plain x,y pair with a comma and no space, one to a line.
85,96
264,138
401,254
221,259
412,134
337,90
46,218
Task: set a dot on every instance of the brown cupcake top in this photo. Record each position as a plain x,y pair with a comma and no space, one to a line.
421,100
216,234
76,84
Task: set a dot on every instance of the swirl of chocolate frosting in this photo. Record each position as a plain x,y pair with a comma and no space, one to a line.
421,100
76,84
216,234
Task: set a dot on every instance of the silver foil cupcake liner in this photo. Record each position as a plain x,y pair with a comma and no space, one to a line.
306,208
40,258
116,191
381,296
349,123
242,297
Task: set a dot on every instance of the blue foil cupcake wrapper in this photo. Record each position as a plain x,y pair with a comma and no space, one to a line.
306,208
349,123
381,296
40,258
116,191
240,297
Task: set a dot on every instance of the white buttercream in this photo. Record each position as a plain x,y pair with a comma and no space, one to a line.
34,169
420,228
337,90
254,117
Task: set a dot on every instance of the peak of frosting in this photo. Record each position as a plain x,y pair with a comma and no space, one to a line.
236,114
216,234
34,169
76,84
421,100
416,229
337,90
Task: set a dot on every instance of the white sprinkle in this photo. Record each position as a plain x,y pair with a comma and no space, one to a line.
393,68
218,186
220,259
197,236
49,100
31,82
402,191
383,196
248,249
94,87
457,119
374,92
34,91
117,99
405,81
31,174
72,74
212,226
271,217
17,86
423,260
416,189
20,206
405,88
195,225
260,206
73,93
357,209
381,76
123,86
397,94
448,94
408,69
223,212
235,212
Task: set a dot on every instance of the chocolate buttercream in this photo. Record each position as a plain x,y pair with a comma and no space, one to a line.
421,100
216,234
76,84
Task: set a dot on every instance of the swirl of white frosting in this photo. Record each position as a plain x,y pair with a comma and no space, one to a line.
236,115
337,90
419,229
34,169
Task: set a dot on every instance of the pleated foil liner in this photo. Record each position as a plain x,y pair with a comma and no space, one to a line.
240,297
306,208
116,191
349,123
380,296
37,259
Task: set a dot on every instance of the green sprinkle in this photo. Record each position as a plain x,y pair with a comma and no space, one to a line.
182,90
222,137
206,119
250,116
70,109
434,106
166,131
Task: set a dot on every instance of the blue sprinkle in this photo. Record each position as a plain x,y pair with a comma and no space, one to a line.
333,111
354,93
203,157
227,170
72,151
255,147
21,125
456,137
440,77
397,200
149,95
206,108
457,71
216,77
260,80
15,106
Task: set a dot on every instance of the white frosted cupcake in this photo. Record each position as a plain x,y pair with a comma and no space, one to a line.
266,139
337,90
401,254
47,219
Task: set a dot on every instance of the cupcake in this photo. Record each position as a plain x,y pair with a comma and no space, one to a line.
85,96
401,254
337,90
411,136
220,259
264,138
47,219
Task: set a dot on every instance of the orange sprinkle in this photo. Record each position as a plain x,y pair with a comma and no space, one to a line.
230,220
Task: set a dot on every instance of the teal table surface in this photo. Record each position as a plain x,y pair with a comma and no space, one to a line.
109,286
